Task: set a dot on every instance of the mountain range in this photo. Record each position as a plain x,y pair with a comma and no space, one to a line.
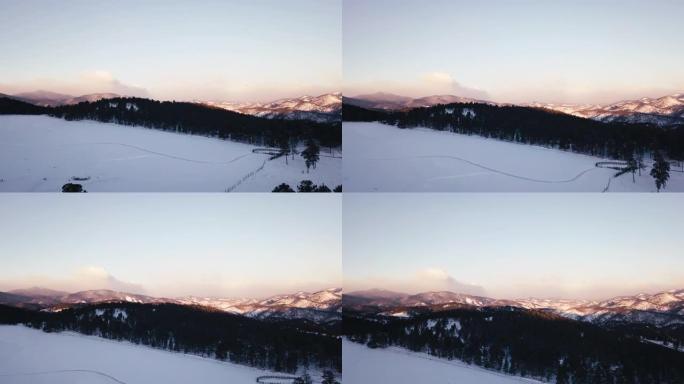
660,309
53,99
663,111
389,101
666,110
322,108
321,306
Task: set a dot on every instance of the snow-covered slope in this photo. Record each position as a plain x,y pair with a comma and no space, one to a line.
385,158
106,295
32,356
40,153
362,365
322,108
317,306
660,309
664,110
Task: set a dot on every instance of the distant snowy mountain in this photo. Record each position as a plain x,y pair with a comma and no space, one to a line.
53,99
106,295
322,108
90,98
321,306
666,110
662,111
388,101
43,98
659,309
318,306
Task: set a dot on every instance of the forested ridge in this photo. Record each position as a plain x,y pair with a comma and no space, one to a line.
535,126
192,118
281,346
527,343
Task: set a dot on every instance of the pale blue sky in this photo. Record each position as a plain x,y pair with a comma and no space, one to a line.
169,49
579,51
171,244
514,245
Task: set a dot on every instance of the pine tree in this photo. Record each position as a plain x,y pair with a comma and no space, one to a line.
660,171
283,188
306,186
311,154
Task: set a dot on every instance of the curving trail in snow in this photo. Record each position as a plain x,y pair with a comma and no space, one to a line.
172,156
102,374
384,158
32,356
41,154
494,170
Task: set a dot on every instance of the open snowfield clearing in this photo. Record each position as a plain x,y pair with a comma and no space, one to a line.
380,157
363,365
33,356
41,153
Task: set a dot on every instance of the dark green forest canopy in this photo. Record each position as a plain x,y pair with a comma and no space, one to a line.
527,343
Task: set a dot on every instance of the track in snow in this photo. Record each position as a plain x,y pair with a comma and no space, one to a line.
494,170
110,377
171,156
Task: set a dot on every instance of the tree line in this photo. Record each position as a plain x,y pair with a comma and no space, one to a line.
536,126
192,118
284,346
525,343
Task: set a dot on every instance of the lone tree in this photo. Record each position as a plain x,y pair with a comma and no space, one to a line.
311,154
283,188
660,171
632,167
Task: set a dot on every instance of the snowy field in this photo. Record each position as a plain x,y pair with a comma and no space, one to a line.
40,153
362,365
32,356
380,157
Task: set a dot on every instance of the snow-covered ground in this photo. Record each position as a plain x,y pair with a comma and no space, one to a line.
33,356
361,365
384,158
40,153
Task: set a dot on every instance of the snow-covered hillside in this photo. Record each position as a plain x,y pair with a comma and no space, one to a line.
40,153
660,111
361,365
660,309
385,158
317,306
32,356
322,108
